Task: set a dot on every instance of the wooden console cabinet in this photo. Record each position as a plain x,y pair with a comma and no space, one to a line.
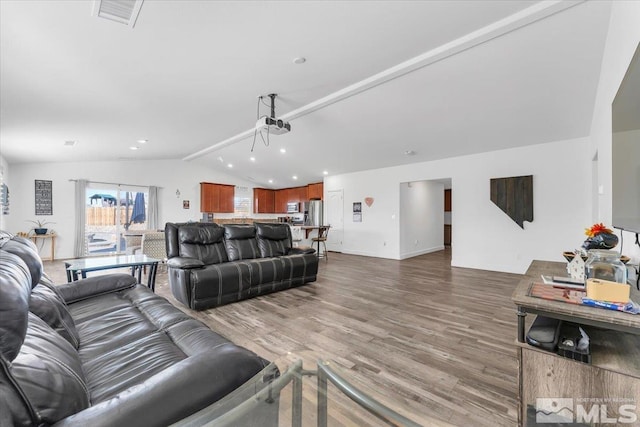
610,380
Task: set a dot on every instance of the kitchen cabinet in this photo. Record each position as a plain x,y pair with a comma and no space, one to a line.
216,198
227,196
315,191
447,200
285,195
447,234
298,194
281,198
263,200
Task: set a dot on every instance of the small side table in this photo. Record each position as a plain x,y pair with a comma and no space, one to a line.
44,237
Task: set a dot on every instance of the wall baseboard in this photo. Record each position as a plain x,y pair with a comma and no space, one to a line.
421,252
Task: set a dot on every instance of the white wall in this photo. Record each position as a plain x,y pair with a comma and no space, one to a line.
378,234
484,237
622,39
421,218
169,175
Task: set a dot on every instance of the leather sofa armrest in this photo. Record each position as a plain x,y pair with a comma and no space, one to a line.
93,286
301,251
185,262
175,392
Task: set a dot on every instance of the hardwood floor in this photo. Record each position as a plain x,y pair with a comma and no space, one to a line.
433,342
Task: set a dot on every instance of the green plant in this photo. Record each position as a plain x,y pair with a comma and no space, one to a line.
40,223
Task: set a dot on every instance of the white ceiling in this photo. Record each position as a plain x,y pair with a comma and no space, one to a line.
188,76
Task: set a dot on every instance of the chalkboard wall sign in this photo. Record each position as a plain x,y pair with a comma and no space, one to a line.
44,197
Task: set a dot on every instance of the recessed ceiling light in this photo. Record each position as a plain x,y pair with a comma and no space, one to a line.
133,148
70,143
253,159
142,141
409,153
325,172
300,60
283,150
229,165
270,181
294,177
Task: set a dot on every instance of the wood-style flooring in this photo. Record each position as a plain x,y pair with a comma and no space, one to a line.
434,342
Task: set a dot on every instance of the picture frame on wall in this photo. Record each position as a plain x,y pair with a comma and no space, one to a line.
44,197
357,211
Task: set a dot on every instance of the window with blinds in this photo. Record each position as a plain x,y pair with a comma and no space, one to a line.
242,201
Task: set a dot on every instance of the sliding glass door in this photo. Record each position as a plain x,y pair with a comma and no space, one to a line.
112,212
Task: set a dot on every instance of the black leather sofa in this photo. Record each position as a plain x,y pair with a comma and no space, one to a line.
104,351
211,265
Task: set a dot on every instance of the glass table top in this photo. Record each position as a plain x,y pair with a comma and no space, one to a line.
110,262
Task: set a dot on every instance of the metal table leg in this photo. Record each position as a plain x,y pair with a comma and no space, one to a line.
66,268
322,398
151,280
296,409
521,318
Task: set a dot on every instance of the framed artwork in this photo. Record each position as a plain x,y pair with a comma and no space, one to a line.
357,211
185,204
44,197
4,198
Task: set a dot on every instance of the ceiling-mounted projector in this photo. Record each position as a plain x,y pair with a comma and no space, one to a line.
272,125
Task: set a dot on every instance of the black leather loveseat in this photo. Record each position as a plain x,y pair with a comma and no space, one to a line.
211,265
104,351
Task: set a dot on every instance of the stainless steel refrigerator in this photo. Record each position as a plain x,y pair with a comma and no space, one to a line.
313,212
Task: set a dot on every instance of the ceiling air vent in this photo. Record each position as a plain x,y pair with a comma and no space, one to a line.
122,11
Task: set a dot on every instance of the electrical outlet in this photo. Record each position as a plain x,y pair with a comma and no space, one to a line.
416,242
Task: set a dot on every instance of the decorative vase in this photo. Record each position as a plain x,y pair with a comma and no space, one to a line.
40,230
601,241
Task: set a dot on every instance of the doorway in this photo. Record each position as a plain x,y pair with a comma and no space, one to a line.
447,215
111,211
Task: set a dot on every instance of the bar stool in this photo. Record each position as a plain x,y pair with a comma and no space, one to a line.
323,231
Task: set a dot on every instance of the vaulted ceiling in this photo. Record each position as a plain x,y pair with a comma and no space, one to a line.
469,76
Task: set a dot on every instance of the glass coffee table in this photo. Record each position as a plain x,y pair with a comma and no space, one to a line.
137,263
292,395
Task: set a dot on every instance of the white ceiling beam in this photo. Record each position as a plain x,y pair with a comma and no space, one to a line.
499,28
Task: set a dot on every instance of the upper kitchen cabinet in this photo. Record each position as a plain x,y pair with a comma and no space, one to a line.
281,198
298,194
315,191
216,198
263,200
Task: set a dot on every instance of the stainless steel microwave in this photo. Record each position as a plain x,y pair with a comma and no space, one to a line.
293,207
